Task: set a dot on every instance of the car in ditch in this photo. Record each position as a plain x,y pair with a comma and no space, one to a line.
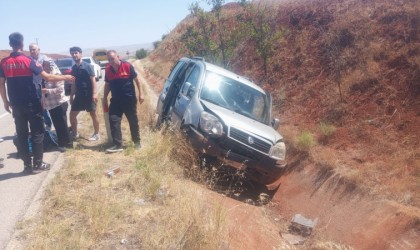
225,116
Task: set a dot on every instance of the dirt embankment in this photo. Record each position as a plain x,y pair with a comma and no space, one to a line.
346,213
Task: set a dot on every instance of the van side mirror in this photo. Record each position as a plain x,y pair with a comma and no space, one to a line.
185,88
188,90
191,91
275,123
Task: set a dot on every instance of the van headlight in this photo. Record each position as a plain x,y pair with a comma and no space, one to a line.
211,124
278,151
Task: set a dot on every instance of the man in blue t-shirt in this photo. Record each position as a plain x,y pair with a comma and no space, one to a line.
24,97
83,93
119,78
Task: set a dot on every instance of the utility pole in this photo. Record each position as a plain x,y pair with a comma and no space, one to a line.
36,39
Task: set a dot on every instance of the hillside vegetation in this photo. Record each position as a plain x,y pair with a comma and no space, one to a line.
344,74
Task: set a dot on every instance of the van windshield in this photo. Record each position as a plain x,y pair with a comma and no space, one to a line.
236,96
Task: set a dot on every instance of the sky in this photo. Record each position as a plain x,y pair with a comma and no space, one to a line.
58,25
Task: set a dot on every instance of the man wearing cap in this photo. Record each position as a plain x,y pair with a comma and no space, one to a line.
83,93
24,97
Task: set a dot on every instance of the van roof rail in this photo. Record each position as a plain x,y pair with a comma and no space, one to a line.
248,78
198,58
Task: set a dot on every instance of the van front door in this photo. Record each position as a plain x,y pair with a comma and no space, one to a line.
186,93
170,91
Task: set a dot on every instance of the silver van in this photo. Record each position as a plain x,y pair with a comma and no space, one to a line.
225,116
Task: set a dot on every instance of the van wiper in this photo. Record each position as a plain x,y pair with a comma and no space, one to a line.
243,112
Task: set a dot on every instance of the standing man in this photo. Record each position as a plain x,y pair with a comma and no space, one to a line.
83,93
34,51
25,101
119,76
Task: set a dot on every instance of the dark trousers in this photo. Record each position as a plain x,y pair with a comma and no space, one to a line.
33,114
47,119
117,108
59,119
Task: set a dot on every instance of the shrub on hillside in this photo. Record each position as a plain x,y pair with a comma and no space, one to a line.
305,141
141,53
156,44
327,131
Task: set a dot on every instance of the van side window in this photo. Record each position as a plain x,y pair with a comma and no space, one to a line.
174,70
193,79
171,76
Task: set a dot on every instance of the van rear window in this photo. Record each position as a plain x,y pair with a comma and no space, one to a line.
64,63
100,53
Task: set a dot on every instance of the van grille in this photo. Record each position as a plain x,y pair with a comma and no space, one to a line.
242,137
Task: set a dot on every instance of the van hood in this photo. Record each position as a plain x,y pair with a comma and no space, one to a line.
233,119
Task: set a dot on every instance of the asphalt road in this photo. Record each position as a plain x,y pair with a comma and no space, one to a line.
17,190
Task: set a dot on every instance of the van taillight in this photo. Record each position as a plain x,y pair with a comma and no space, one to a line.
67,72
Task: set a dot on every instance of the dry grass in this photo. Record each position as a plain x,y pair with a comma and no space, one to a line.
304,141
146,205
329,245
327,130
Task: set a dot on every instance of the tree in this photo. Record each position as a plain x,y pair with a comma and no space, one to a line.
198,39
156,44
211,37
141,53
262,28
220,28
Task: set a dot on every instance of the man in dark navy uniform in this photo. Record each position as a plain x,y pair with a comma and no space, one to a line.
119,77
24,97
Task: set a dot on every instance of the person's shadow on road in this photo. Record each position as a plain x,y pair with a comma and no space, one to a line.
7,176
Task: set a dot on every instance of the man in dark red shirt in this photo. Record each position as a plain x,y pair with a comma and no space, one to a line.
119,77
24,97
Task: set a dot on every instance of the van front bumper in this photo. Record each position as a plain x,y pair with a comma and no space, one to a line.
264,170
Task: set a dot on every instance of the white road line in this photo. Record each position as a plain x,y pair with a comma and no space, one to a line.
3,115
